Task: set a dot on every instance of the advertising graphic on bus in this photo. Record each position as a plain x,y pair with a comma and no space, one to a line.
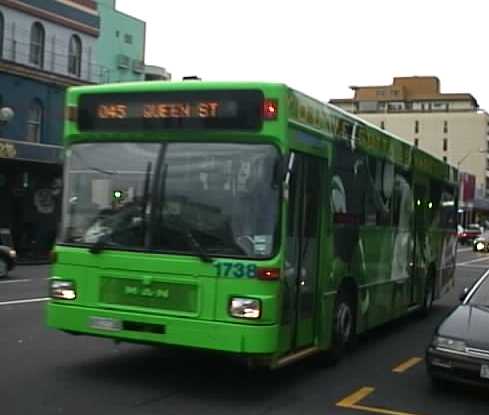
245,218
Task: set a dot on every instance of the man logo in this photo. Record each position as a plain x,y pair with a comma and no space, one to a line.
131,290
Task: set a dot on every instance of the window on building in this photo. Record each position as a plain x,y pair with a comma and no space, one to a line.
379,92
416,142
439,106
445,159
445,144
38,36
34,121
75,56
382,125
445,127
395,106
416,127
128,39
1,34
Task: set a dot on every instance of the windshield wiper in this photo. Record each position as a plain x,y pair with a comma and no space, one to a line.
182,227
102,241
99,244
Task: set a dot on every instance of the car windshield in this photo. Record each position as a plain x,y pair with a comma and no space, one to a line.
171,197
481,296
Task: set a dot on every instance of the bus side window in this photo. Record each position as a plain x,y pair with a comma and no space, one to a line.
379,195
434,204
448,209
403,204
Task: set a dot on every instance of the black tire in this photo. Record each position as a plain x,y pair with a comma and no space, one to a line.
429,296
3,267
343,326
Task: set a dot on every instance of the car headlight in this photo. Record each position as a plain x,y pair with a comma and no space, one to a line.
245,308
64,290
448,343
479,245
12,253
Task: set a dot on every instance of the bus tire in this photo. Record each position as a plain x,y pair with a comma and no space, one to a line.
429,295
343,335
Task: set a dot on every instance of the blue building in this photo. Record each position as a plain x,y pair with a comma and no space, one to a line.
45,47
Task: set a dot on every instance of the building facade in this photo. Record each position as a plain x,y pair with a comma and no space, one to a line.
125,37
450,126
45,47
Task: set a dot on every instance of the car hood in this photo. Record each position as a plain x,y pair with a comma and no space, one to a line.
469,323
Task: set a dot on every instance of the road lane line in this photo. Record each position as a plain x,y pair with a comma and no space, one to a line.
464,249
408,364
355,397
351,402
14,281
474,266
473,260
29,300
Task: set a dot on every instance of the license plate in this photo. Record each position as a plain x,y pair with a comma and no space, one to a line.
102,323
485,371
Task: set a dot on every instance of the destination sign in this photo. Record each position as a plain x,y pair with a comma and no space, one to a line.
237,109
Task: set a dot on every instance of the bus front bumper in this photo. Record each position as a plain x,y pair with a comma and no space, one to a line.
152,328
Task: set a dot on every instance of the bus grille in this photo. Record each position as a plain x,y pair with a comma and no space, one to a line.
156,295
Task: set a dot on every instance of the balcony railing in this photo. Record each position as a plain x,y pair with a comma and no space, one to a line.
52,58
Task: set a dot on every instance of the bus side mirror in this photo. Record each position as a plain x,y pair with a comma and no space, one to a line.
463,294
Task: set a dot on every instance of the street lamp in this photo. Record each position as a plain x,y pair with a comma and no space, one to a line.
466,211
6,115
480,150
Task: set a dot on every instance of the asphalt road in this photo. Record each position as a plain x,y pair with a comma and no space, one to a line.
43,371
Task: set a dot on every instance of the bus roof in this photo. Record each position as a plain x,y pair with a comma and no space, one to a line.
278,88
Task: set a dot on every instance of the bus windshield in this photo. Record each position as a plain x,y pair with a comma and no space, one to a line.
171,197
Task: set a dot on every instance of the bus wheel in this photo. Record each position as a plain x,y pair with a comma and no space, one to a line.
344,325
429,296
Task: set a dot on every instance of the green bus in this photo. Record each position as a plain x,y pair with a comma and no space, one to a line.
245,218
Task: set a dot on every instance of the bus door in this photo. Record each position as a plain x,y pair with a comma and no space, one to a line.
302,257
420,201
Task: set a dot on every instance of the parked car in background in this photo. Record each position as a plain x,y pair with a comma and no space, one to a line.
468,234
459,350
481,243
8,255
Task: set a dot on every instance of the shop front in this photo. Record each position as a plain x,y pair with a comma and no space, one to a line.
30,196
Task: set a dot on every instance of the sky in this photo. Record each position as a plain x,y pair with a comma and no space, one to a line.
320,47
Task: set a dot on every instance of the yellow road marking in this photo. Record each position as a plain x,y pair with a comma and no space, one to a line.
352,400
403,367
355,397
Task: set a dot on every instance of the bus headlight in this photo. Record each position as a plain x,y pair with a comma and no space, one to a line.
64,290
245,308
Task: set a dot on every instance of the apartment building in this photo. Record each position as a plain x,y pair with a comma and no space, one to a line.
450,126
